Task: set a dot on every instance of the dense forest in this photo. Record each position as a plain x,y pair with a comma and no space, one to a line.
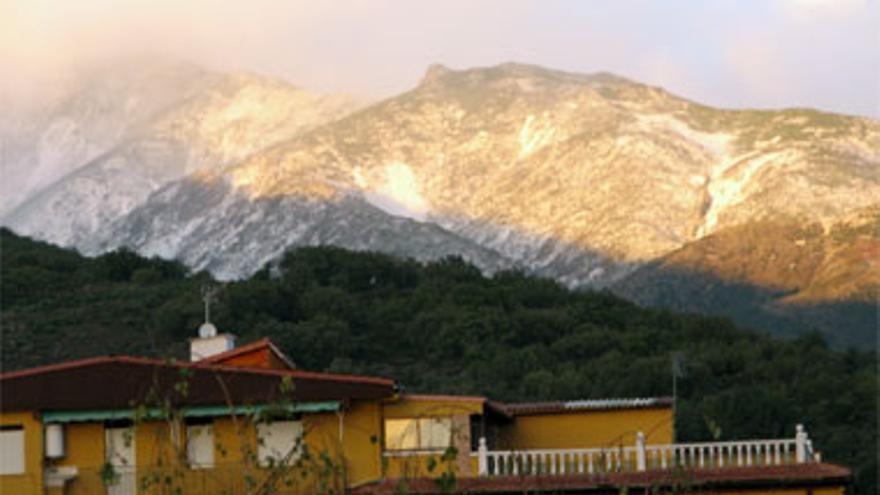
444,327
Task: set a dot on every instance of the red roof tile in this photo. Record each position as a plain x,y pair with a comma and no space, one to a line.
443,398
557,407
249,348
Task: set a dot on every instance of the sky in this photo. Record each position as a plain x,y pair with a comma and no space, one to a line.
730,53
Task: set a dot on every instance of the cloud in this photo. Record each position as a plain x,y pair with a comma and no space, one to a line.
806,53
745,53
757,67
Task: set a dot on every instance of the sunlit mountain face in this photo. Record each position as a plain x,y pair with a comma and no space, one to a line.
591,179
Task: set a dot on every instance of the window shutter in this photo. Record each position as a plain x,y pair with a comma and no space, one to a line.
200,445
12,450
276,439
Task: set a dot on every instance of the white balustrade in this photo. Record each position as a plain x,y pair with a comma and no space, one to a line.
725,454
558,462
643,457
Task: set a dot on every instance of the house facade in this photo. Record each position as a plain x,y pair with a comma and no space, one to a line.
247,420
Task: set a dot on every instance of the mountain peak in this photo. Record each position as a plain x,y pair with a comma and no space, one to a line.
435,72
438,73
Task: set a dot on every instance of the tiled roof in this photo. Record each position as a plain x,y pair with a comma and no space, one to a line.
117,381
245,349
526,408
793,475
443,398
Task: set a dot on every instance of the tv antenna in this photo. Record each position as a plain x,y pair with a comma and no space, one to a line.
209,295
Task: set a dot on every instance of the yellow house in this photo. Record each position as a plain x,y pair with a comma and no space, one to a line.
246,421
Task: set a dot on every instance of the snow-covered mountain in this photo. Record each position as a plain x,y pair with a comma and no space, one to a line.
590,179
100,151
89,115
203,223
579,177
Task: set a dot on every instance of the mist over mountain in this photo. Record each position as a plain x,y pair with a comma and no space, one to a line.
124,131
591,179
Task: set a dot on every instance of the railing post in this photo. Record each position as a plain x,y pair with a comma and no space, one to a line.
800,442
641,463
482,458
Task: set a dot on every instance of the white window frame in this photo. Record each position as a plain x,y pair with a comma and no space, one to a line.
12,450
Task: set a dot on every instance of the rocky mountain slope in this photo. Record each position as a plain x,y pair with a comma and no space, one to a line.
86,117
99,152
594,180
783,273
209,226
547,167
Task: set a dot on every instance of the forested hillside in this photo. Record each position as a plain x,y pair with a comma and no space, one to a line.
443,327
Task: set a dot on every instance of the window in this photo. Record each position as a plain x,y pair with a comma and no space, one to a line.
119,446
200,445
418,433
275,441
401,434
11,449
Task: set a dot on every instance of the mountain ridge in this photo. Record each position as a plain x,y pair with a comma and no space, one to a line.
585,178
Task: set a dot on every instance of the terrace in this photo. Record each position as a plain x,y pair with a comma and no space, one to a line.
641,457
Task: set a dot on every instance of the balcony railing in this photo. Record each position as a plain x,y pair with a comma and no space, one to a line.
642,457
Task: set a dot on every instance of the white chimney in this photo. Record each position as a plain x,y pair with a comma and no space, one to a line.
209,342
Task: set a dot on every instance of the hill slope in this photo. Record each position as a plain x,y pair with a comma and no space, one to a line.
443,327
786,273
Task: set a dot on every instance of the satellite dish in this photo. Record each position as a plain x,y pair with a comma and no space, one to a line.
207,330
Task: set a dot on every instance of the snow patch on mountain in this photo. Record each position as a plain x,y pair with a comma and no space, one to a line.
729,179
209,225
531,139
728,176
715,143
398,191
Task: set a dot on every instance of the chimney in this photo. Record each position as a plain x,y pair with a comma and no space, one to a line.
209,342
